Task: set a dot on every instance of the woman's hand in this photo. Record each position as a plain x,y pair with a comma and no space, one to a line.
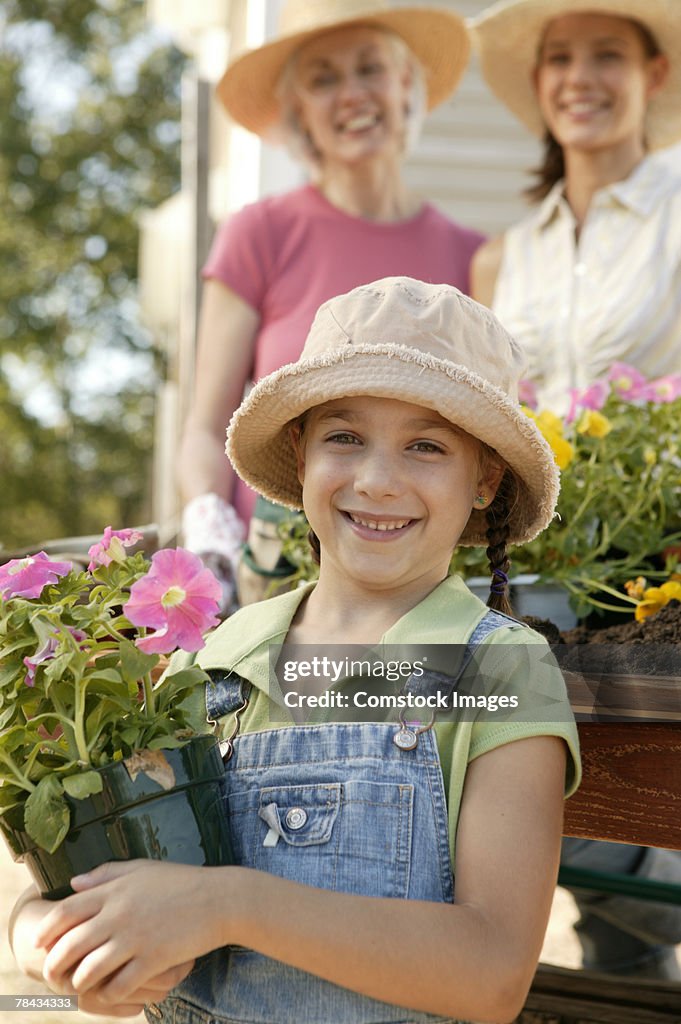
128,925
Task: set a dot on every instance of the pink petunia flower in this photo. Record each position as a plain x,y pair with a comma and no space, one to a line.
111,548
48,651
627,381
594,397
527,393
27,577
664,389
179,598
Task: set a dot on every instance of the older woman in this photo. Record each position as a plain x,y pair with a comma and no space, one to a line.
345,84
593,277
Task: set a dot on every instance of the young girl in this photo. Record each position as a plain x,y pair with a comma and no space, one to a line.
395,869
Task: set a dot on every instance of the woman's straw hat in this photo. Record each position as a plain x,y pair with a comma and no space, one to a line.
507,37
426,344
437,38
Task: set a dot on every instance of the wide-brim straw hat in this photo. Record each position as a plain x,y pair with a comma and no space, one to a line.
507,37
425,344
437,37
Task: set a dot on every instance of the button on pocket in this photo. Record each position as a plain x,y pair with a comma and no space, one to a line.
302,815
295,818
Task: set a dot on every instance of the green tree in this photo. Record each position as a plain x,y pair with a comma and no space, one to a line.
89,136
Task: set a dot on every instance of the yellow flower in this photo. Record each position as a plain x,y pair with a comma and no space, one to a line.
563,452
594,424
650,456
549,423
551,427
655,598
672,590
635,588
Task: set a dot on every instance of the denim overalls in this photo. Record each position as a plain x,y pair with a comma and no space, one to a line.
344,806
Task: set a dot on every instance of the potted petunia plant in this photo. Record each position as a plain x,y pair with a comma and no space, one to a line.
101,756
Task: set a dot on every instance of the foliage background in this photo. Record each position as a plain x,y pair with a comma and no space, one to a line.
89,137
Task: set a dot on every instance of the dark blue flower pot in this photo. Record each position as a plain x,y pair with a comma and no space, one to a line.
134,818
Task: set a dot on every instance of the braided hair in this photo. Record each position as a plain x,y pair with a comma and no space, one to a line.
313,541
498,515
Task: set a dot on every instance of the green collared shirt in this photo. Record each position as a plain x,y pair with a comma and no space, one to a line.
513,662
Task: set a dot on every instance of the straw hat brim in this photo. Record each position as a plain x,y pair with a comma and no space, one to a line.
507,38
437,38
260,449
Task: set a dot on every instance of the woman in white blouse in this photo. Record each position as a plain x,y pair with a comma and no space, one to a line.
593,275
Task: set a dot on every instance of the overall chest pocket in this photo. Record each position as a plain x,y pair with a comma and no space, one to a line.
353,836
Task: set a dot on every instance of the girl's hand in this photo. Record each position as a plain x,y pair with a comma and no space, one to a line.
128,923
155,990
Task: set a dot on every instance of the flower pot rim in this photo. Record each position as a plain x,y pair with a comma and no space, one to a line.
20,840
522,579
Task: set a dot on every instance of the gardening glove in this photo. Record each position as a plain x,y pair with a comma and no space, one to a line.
212,530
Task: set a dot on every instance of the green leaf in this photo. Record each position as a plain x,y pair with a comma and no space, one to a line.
166,743
186,679
10,796
46,814
135,663
130,736
82,785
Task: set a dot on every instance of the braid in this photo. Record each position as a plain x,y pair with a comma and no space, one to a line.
498,515
315,545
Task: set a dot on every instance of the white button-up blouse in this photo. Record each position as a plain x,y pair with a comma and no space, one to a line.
614,295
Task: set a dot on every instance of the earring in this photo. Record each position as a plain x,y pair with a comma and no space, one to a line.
481,500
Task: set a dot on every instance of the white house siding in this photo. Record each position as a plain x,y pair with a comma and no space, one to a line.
473,157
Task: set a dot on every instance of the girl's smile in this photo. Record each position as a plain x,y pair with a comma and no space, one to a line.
376,524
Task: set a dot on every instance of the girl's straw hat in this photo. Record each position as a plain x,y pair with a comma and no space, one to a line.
507,37
426,344
437,38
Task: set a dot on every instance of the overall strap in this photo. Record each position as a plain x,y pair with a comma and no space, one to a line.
225,693
408,734
489,623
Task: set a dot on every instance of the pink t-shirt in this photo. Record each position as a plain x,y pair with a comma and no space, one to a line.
285,255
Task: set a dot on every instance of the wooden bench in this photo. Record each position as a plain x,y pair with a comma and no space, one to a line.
631,793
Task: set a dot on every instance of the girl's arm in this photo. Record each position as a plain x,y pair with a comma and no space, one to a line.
26,915
485,270
473,960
